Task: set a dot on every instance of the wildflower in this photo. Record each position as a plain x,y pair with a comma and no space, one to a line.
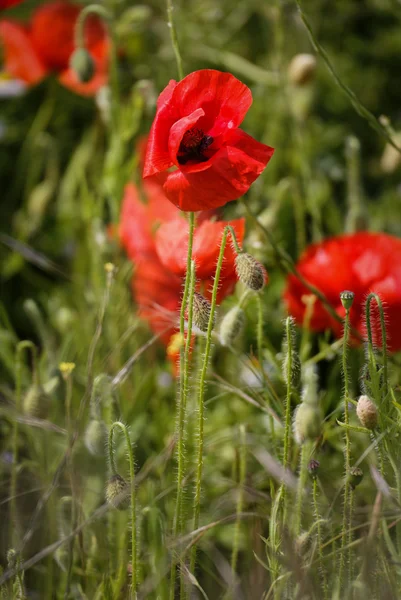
196,131
46,44
362,262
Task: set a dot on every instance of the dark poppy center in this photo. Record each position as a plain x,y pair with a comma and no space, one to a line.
193,146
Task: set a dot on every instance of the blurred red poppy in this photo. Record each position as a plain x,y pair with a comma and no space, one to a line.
158,279
45,45
362,263
8,3
195,130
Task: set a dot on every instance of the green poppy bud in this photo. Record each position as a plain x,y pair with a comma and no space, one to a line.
301,69
231,325
367,412
313,468
347,299
201,312
250,271
117,492
307,423
82,64
355,476
95,437
36,402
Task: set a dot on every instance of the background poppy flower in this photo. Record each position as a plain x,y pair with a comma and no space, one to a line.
195,130
45,45
362,263
155,237
8,3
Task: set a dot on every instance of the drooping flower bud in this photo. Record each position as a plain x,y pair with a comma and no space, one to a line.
301,69
95,437
201,312
117,492
250,271
231,325
36,402
313,468
347,299
82,64
307,423
367,412
355,476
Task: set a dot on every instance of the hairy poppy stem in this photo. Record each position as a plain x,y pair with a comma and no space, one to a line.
201,394
319,537
174,39
21,347
189,287
373,296
347,465
131,462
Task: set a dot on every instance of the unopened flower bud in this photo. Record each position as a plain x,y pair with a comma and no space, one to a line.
391,158
36,402
250,271
367,412
201,312
117,492
301,69
95,437
347,299
82,64
355,476
307,423
231,325
313,468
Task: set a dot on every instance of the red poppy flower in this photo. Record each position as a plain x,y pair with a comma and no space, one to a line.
45,45
196,132
362,263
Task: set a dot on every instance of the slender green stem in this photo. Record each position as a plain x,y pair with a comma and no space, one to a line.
189,287
240,501
74,512
131,461
287,430
21,347
350,531
174,39
302,479
201,394
345,525
319,537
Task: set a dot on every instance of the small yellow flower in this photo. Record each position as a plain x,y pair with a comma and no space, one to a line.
176,342
66,368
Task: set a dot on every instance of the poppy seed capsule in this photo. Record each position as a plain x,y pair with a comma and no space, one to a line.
231,325
355,476
95,437
117,492
82,64
307,423
347,299
36,402
301,69
201,312
250,271
367,412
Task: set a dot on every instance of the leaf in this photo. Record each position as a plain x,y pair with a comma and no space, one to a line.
353,427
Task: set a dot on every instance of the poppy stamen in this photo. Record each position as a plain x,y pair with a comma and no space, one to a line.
193,145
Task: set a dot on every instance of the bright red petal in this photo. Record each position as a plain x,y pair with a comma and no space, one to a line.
232,171
20,58
135,226
177,132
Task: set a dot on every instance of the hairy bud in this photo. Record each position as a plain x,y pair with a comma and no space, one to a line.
82,64
36,402
231,325
95,437
250,271
307,423
313,468
367,412
117,492
201,312
301,69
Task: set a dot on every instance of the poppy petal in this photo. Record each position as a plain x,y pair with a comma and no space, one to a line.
177,132
20,58
232,171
